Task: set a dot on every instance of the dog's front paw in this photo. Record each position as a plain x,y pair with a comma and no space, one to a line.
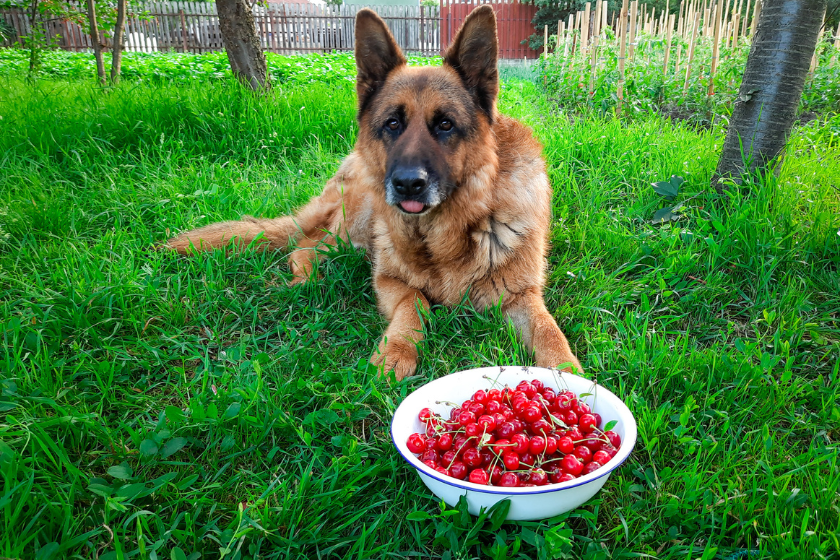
399,356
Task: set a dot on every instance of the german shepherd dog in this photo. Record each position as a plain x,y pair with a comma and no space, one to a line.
448,197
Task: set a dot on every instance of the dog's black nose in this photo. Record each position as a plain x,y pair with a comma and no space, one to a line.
409,181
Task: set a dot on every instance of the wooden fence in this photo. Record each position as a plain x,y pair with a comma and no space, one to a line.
283,28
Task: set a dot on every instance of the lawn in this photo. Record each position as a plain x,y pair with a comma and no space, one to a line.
157,406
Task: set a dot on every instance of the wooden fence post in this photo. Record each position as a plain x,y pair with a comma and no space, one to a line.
183,29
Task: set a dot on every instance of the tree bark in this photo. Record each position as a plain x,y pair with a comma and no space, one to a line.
116,52
770,92
244,51
96,41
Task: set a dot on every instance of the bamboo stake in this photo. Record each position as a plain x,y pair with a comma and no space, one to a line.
594,61
622,37
756,13
604,10
692,43
584,26
715,48
735,21
634,9
745,19
670,25
545,42
836,46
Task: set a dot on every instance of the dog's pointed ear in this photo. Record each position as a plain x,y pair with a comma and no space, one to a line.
474,56
376,55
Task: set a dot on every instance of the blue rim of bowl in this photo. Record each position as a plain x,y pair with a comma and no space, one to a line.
507,491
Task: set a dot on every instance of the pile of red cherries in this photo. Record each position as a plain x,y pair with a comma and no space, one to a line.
527,436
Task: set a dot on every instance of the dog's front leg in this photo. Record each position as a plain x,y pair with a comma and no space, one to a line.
539,330
399,303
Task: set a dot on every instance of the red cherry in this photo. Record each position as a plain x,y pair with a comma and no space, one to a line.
442,471
609,449
537,445
565,445
495,474
563,402
571,465
505,430
449,457
569,417
487,421
538,477
508,414
614,438
477,409
550,445
527,388
492,407
593,443
472,457
509,480
575,434
560,477
430,464
453,414
430,455
549,394
499,418
444,442
601,457
583,453
528,459
591,467
425,414
462,442
597,419
540,427
486,457
494,395
501,446
511,461
587,423
465,418
458,470
479,476
518,426
480,396
521,442
416,444
531,414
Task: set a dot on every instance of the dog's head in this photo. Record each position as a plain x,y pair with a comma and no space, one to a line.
424,122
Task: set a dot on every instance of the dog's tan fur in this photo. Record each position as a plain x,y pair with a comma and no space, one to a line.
487,238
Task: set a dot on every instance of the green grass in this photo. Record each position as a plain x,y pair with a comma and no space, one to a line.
155,406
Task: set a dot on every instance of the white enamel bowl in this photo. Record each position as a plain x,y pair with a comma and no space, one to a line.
530,503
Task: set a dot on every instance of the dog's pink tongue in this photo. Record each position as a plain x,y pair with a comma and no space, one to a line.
412,206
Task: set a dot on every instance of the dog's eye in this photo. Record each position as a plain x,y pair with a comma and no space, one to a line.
392,124
445,125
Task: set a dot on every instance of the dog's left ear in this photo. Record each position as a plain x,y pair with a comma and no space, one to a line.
376,55
474,56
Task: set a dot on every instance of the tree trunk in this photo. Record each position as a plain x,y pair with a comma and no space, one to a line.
96,41
239,33
116,52
772,87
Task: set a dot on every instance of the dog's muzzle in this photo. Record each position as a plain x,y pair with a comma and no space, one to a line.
411,189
